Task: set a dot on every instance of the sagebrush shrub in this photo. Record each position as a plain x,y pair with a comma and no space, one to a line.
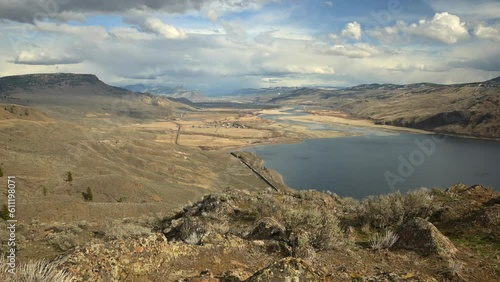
383,211
323,227
394,208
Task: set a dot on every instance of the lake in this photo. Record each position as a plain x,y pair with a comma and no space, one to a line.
381,163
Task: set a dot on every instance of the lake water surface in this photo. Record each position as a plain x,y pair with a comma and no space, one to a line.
381,163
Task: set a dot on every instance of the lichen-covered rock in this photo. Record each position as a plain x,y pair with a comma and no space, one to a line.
288,269
116,260
268,228
188,230
424,238
216,206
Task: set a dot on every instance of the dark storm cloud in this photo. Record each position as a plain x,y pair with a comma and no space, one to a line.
29,10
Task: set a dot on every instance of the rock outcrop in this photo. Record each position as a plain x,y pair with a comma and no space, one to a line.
424,238
268,228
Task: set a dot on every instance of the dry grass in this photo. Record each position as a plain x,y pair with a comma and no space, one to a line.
34,271
378,241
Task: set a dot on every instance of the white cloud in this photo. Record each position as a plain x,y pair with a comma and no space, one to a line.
155,25
267,48
129,33
93,32
352,30
234,31
359,50
487,32
443,27
216,8
43,58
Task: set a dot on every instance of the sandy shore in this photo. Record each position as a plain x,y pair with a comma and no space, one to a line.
343,119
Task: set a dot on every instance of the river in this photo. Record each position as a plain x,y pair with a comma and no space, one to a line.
379,162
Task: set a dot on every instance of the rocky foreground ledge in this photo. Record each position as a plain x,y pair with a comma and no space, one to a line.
425,235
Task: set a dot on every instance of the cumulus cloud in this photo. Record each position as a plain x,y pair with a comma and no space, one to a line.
443,27
155,25
43,58
352,30
487,32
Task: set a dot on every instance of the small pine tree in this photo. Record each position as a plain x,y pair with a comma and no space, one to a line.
4,212
1,172
88,196
69,177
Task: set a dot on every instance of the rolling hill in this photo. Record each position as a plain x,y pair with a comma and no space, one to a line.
470,109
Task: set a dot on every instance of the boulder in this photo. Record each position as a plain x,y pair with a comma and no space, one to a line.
288,269
268,228
424,238
215,206
188,230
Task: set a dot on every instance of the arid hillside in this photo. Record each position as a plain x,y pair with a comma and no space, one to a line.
465,109
63,135
75,96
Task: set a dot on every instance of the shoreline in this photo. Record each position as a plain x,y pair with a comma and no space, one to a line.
229,131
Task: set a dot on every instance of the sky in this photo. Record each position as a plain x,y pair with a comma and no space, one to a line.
218,46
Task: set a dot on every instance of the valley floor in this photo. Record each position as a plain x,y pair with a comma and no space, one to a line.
143,172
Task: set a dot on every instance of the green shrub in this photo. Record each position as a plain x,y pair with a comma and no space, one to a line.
88,196
63,236
321,226
383,211
4,212
69,176
392,209
419,203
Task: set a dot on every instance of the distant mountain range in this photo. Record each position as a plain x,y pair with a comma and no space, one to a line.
168,91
